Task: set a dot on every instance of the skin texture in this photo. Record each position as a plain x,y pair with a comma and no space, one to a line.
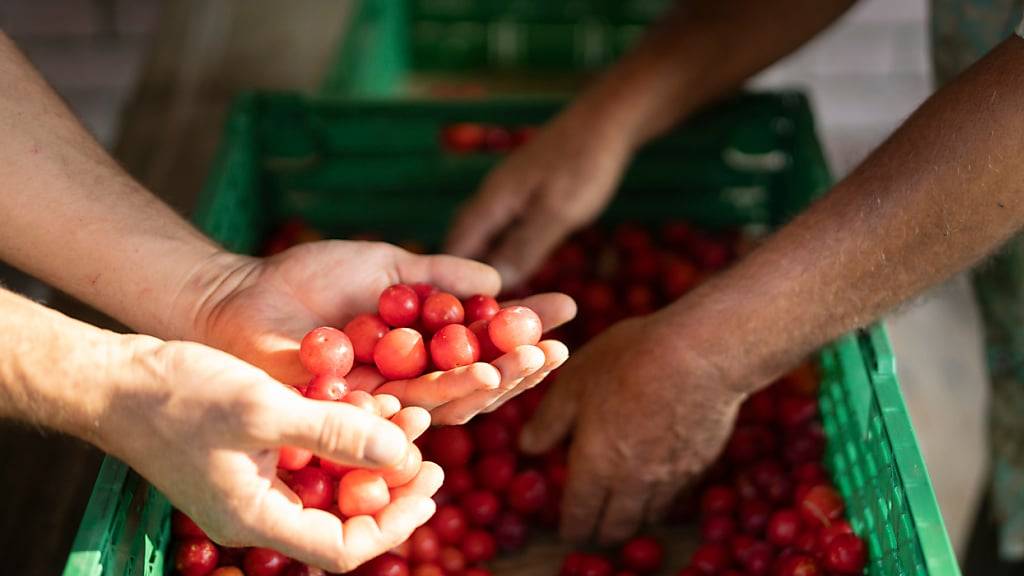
651,401
205,425
568,172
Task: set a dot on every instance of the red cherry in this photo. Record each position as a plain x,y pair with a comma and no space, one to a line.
798,565
804,444
821,506
677,277
264,562
718,500
459,480
477,571
522,135
797,410
491,435
642,554
195,557
510,532
743,482
385,565
748,443
639,299
480,307
365,330
488,351
829,533
806,542
511,414
478,546
183,527
440,310
328,387
571,564
496,471
632,238
362,492
481,507
463,137
741,546
753,516
401,354
326,350
594,565
424,291
450,446
424,545
710,559
784,527
498,139
771,480
399,306
427,570
313,486
527,492
758,559
450,524
845,555
291,458
452,560
514,326
453,346
717,528
760,408
810,472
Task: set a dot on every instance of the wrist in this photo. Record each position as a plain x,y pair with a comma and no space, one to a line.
209,281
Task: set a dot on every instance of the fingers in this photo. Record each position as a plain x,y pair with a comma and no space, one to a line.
432,390
584,499
413,420
337,431
526,245
624,513
485,216
426,483
513,367
660,503
555,354
554,417
553,308
387,405
459,276
365,378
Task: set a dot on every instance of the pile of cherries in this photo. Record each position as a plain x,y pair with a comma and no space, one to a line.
766,507
471,137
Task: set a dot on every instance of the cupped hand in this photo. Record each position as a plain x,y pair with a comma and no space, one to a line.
259,310
645,418
205,428
557,182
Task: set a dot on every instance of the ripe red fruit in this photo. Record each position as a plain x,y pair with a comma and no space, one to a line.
453,346
459,481
632,238
496,471
760,408
385,565
749,443
326,350
427,570
796,410
810,472
450,524
784,527
424,545
514,326
264,562
717,528
452,560
640,299
488,351
528,492
440,310
718,499
404,473
677,277
233,571
365,330
463,137
476,571
710,559
743,482
829,533
821,506
491,435
450,446
401,354
642,554
845,554
571,564
399,306
757,559
313,486
522,135
424,291
362,492
741,546
594,565
804,444
481,507
195,557
510,532
497,139
798,565
753,516
291,458
598,298
480,307
330,387
183,527
478,546
772,481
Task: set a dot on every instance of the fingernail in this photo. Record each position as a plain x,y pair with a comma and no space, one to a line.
387,445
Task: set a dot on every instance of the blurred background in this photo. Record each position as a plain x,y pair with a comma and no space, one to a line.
152,81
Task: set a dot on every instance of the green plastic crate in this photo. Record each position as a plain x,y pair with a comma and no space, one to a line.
753,161
387,42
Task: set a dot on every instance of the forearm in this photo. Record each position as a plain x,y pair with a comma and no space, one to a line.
944,191
72,217
700,51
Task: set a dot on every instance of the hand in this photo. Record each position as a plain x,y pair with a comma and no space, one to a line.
646,420
259,310
557,182
205,428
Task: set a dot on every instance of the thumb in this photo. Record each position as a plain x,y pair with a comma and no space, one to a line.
340,432
554,417
527,245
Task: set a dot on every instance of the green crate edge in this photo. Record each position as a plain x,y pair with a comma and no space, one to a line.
108,501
